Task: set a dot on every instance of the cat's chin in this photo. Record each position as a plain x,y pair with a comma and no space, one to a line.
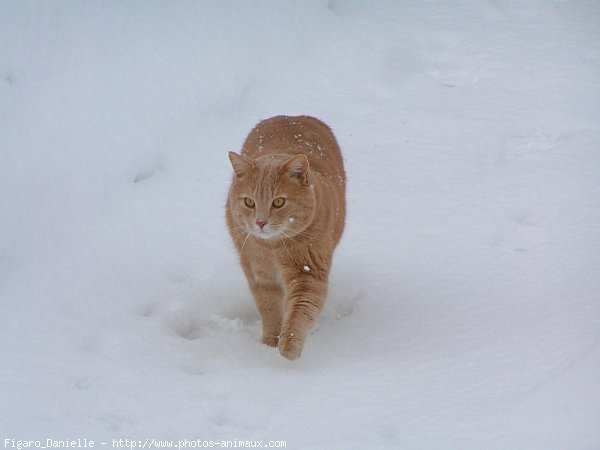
265,235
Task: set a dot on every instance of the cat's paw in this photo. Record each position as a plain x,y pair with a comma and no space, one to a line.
290,346
271,341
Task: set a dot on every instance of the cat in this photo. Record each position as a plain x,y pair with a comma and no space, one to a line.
286,213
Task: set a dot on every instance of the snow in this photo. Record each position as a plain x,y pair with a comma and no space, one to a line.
464,305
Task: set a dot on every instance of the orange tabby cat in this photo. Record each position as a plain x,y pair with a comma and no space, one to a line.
286,213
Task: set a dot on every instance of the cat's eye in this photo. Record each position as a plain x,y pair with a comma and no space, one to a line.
279,202
249,202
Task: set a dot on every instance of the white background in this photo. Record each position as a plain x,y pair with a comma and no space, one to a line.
464,307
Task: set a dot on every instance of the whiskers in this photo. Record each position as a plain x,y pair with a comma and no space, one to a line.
287,233
279,233
285,246
292,234
240,232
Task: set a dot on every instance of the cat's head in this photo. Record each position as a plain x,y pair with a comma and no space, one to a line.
271,197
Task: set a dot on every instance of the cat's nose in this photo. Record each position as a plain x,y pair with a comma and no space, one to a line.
261,223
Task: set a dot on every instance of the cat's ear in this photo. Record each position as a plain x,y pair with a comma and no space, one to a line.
241,165
297,167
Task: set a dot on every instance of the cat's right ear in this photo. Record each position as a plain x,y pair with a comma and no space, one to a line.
241,165
297,167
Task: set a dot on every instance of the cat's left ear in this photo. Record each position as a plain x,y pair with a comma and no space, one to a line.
297,167
241,165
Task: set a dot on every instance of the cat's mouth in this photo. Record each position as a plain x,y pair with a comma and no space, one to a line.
265,234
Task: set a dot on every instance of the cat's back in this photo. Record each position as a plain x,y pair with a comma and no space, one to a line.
297,135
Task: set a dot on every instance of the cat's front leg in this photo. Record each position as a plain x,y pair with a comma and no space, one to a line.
269,299
303,304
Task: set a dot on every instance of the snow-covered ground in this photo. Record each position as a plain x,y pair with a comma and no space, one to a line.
464,307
